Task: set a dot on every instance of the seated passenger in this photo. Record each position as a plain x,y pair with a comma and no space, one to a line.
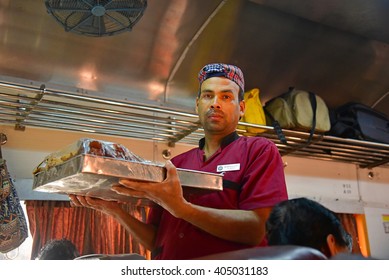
304,222
62,249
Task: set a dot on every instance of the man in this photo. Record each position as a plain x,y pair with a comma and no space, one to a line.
305,222
253,181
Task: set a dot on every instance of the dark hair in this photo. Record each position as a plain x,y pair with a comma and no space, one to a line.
62,249
304,222
241,94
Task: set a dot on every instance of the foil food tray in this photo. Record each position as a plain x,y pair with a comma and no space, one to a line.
93,176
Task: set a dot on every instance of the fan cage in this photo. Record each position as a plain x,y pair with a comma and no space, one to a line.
96,18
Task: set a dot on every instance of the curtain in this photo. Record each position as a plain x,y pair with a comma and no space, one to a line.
91,231
350,225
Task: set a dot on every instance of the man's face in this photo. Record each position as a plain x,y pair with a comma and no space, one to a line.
218,105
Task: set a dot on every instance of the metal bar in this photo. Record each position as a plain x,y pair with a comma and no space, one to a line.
49,112
75,112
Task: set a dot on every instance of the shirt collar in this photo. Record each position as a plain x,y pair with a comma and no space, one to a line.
226,140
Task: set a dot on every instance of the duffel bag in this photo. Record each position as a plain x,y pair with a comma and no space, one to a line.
358,121
299,109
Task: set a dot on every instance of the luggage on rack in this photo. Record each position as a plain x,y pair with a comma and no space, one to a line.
254,111
300,110
358,121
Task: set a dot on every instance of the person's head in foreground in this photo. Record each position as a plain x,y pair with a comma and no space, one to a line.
62,249
304,222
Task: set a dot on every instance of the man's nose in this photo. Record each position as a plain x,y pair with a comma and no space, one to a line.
215,103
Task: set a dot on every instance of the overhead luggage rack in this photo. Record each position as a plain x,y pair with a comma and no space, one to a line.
363,153
25,106
31,106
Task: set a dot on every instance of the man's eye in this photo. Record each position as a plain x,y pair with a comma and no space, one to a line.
227,97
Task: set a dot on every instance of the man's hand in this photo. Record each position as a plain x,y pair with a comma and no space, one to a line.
107,207
167,194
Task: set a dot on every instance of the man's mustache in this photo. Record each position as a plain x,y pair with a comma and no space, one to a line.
213,112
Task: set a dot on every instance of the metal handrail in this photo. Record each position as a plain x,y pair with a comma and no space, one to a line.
26,105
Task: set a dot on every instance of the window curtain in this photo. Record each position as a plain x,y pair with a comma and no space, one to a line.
96,233
350,225
91,231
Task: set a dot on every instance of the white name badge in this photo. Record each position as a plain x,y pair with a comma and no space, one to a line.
228,167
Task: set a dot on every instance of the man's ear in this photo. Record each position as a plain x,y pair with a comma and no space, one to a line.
242,108
197,105
332,245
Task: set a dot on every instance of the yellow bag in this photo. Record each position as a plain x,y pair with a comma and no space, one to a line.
254,111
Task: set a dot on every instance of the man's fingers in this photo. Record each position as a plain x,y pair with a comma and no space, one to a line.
122,190
172,174
79,200
131,185
82,201
170,168
74,202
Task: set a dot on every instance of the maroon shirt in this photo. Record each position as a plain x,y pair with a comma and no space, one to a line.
258,182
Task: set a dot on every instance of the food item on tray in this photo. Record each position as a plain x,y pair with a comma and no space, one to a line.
91,147
90,167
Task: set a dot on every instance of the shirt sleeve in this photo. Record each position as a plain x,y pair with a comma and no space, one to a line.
264,179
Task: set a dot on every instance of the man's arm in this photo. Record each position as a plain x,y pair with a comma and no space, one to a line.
144,233
241,226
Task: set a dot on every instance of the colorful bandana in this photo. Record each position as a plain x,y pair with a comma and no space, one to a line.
228,71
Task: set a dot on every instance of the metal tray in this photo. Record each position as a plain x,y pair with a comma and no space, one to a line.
93,176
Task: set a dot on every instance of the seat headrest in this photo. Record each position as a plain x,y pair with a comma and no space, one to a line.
284,252
111,257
